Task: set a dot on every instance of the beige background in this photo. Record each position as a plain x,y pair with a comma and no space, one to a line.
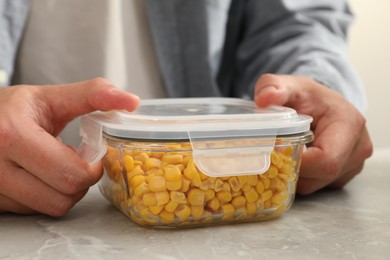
370,53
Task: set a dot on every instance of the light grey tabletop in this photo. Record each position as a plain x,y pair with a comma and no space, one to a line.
353,223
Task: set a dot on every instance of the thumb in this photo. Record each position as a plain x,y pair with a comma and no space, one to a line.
66,102
272,89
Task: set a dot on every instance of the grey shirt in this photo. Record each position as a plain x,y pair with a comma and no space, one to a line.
302,37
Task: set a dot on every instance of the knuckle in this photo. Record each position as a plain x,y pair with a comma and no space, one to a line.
331,168
61,207
73,183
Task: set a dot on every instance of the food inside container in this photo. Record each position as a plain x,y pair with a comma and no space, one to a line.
197,161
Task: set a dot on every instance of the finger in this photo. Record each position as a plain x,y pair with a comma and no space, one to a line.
82,98
8,205
53,162
307,186
27,190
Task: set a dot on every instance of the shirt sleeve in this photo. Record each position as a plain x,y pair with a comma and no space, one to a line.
13,14
307,38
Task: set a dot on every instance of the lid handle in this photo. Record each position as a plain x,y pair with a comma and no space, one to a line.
231,153
91,148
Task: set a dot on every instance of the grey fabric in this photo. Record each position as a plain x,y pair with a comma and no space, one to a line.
13,14
180,34
294,37
302,37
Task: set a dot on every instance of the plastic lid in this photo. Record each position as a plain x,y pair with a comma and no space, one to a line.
202,121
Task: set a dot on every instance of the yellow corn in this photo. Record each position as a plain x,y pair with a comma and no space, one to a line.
149,199
171,206
185,185
182,212
239,201
228,211
142,157
172,173
251,195
155,210
141,189
162,197
156,183
151,163
173,158
178,197
209,194
213,204
252,180
251,208
196,197
266,195
218,185
167,217
272,172
224,196
197,211
137,170
136,181
259,187
234,184
242,180
173,185
129,163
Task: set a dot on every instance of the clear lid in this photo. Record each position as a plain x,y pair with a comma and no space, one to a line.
202,121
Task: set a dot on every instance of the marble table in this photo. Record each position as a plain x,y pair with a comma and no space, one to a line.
353,223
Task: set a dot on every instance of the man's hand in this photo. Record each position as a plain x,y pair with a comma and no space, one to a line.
341,143
38,173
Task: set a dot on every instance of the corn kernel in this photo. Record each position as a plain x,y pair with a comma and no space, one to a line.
272,172
136,171
136,181
218,185
167,217
182,212
267,204
279,197
155,210
173,185
141,189
185,185
178,197
252,180
251,208
129,163
142,157
259,187
171,206
196,197
266,182
266,195
156,183
275,159
197,211
213,204
224,196
155,171
234,184
162,197
251,195
242,180
239,201
205,185
151,163
173,158
286,169
172,173
149,199
209,194
246,187
228,211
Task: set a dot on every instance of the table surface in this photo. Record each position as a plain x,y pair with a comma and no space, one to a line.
352,223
